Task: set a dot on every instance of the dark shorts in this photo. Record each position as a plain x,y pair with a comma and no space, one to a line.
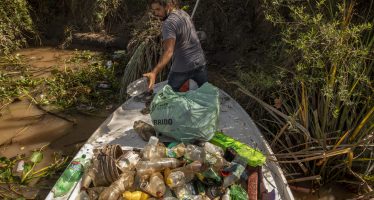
176,79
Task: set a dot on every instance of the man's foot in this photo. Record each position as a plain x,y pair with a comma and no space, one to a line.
144,130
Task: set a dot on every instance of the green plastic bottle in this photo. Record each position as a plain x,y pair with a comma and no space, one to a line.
70,176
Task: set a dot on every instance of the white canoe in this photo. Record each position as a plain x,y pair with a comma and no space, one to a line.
233,121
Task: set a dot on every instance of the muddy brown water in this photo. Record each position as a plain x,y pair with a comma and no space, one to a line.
24,127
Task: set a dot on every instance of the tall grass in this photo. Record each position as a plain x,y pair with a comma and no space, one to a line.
327,90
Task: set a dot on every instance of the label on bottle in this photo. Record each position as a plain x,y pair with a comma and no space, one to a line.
238,170
170,153
75,165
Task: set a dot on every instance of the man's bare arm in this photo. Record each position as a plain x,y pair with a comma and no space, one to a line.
168,46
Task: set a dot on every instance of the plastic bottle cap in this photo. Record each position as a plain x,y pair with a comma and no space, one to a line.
83,155
169,181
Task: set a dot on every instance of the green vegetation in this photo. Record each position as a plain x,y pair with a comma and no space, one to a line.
15,25
87,81
324,125
21,170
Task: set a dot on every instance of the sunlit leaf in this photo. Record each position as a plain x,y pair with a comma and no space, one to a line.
36,157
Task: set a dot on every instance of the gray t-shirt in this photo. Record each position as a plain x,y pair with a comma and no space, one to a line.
188,53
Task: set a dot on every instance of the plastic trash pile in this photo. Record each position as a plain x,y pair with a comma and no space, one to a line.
176,171
165,171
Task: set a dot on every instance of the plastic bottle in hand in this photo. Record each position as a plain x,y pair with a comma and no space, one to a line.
137,87
70,176
156,186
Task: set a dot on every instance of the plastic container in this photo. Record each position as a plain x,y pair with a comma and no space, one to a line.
70,176
128,161
117,188
156,186
150,167
235,172
194,153
138,87
136,195
180,176
149,151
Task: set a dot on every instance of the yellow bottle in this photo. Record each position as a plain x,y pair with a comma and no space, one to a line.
137,195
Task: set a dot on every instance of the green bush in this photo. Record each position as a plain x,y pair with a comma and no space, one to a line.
15,23
329,89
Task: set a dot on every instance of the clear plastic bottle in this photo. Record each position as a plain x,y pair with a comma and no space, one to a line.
83,196
183,175
209,177
137,87
70,176
128,161
176,151
226,196
117,188
149,151
216,161
194,153
157,165
235,171
184,192
156,186
212,149
215,191
136,195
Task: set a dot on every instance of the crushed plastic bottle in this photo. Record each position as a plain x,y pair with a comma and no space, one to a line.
226,196
128,161
216,161
83,195
235,171
215,191
149,151
184,192
209,177
194,153
138,87
117,188
176,151
212,149
157,165
156,186
70,176
136,195
183,175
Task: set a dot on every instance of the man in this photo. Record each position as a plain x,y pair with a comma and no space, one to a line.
181,43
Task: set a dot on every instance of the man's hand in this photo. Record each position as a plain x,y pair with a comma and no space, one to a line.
165,58
152,79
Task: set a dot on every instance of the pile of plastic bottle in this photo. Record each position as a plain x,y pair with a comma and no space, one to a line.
178,171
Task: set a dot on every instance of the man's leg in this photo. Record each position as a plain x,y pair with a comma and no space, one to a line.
200,75
176,79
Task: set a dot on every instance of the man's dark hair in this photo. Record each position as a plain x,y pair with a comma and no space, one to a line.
163,2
